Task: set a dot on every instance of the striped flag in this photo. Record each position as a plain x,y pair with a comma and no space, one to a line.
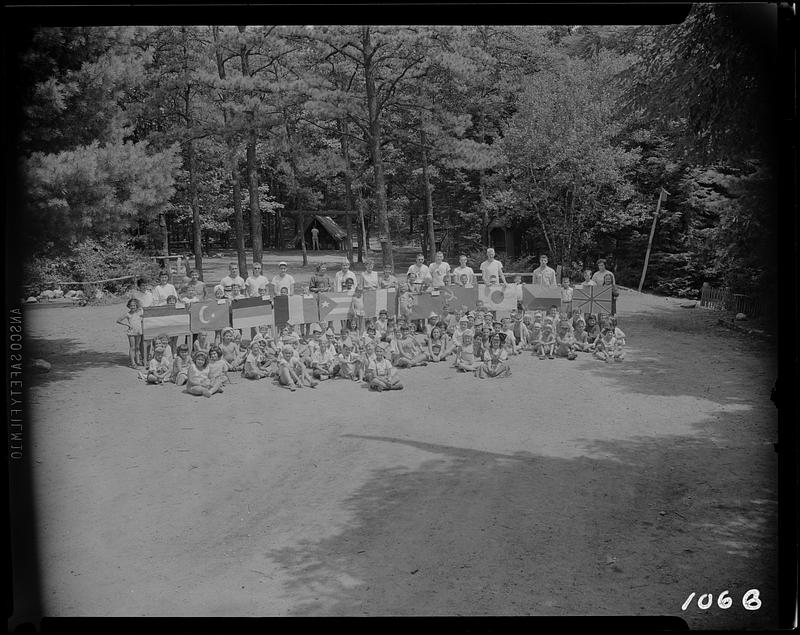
592,299
251,312
164,319
540,297
295,309
210,315
334,306
495,298
376,300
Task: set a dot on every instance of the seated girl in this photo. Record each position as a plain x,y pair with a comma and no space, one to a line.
565,341
198,382
466,362
180,367
217,367
548,341
409,351
437,345
495,360
159,369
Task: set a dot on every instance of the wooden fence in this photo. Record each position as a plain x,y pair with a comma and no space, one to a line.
722,299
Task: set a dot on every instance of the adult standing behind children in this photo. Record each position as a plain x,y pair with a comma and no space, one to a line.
388,280
440,271
462,270
599,276
143,293
232,278
256,282
418,273
369,278
163,289
543,274
320,282
194,290
283,280
344,274
492,268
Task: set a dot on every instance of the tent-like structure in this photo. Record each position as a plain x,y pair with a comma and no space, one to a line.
331,235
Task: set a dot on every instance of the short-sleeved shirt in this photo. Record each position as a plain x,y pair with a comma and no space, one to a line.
369,280
145,297
460,271
194,291
320,282
161,293
162,366
545,275
439,271
279,282
381,368
314,232
253,284
599,276
388,283
489,269
340,277
227,282
420,274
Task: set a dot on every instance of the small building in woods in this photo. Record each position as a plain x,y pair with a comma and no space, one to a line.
505,238
331,235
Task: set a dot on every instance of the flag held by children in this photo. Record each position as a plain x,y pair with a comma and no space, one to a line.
540,297
164,319
251,312
497,298
209,316
455,298
334,306
377,300
592,299
295,309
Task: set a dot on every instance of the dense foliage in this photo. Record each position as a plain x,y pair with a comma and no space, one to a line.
565,134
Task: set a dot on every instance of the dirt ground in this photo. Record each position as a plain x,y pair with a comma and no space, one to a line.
570,488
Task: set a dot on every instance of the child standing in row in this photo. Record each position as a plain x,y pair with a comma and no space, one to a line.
132,318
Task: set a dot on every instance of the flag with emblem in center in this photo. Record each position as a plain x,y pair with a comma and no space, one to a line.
540,297
251,312
164,319
496,298
455,298
211,315
377,300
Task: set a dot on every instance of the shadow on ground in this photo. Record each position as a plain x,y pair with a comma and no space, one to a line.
479,533
68,359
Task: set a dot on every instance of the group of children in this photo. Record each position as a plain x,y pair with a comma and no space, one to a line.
371,350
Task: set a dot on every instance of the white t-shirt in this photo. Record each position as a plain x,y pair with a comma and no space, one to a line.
252,285
599,276
286,281
162,292
419,275
369,280
438,273
493,268
339,278
227,282
460,271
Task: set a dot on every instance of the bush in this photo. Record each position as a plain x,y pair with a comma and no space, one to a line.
90,260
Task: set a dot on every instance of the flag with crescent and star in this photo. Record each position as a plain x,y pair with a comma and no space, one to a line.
497,298
334,306
377,300
592,298
540,297
295,309
164,319
211,315
251,312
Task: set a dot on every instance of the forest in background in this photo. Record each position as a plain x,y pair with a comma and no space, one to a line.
565,133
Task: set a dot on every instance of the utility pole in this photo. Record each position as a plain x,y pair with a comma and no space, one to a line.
661,194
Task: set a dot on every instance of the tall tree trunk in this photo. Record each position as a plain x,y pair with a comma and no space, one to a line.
252,168
197,233
426,186
296,195
375,148
232,165
348,192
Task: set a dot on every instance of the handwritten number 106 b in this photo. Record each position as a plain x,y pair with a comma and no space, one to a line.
750,600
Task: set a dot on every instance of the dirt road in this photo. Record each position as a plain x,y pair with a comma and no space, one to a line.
570,488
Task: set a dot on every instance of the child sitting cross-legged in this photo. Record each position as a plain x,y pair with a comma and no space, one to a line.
160,367
381,375
466,361
180,367
495,360
565,341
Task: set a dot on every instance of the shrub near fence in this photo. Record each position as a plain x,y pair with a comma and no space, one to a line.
724,300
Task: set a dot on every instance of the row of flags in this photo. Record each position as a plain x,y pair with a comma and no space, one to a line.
213,315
